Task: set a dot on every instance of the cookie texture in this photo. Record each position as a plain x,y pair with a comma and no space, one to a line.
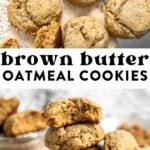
141,135
49,36
71,111
7,108
79,136
128,18
30,15
24,122
85,32
120,140
9,43
83,2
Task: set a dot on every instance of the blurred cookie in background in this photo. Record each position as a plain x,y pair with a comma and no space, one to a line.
8,106
141,135
24,122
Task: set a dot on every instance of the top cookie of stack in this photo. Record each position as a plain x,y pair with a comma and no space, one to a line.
72,111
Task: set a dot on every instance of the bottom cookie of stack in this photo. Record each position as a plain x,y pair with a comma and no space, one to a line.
76,137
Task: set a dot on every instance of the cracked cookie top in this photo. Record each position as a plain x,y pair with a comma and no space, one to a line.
30,15
7,108
128,18
85,32
79,136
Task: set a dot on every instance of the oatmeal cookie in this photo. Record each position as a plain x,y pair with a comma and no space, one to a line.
85,32
10,43
128,18
7,108
30,15
49,36
120,140
71,111
79,136
141,135
24,122
83,2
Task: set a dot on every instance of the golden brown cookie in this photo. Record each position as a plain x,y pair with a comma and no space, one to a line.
141,135
9,43
24,122
79,136
7,108
83,2
85,32
120,140
30,15
128,18
71,111
49,36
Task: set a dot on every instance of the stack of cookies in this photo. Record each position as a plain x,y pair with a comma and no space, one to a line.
74,124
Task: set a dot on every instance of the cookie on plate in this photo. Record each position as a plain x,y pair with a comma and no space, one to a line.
128,18
120,140
79,136
83,2
49,36
30,15
71,111
9,43
7,108
24,122
85,32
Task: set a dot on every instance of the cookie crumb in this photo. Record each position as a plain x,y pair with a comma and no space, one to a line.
49,36
10,43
